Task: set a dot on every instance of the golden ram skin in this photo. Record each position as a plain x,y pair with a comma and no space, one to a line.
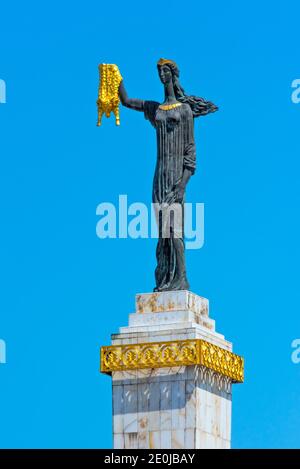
108,96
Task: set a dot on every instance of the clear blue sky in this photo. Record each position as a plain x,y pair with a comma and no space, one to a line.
63,290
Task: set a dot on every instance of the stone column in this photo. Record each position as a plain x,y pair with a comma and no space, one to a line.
172,375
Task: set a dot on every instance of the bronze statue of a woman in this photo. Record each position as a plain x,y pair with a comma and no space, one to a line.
176,162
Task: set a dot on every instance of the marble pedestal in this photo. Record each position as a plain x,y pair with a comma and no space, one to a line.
172,375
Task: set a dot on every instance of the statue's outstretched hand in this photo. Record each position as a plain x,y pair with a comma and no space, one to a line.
122,92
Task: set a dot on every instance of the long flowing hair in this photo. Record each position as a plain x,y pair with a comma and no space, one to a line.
199,106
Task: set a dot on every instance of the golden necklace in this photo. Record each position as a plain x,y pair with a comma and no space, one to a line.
167,107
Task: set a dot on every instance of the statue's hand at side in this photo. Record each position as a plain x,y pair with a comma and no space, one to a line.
176,195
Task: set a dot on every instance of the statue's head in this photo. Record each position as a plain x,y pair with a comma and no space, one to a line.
167,70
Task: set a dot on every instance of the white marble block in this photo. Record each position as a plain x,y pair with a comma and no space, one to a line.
171,407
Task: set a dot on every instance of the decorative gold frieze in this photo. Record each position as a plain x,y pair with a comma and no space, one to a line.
172,353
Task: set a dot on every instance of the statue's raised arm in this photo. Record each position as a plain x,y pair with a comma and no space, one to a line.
131,103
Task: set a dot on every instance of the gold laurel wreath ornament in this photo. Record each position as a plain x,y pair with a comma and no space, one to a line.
108,95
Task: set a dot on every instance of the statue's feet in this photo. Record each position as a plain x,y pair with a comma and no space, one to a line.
174,287
165,287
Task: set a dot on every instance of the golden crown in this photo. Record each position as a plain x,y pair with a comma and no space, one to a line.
166,61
